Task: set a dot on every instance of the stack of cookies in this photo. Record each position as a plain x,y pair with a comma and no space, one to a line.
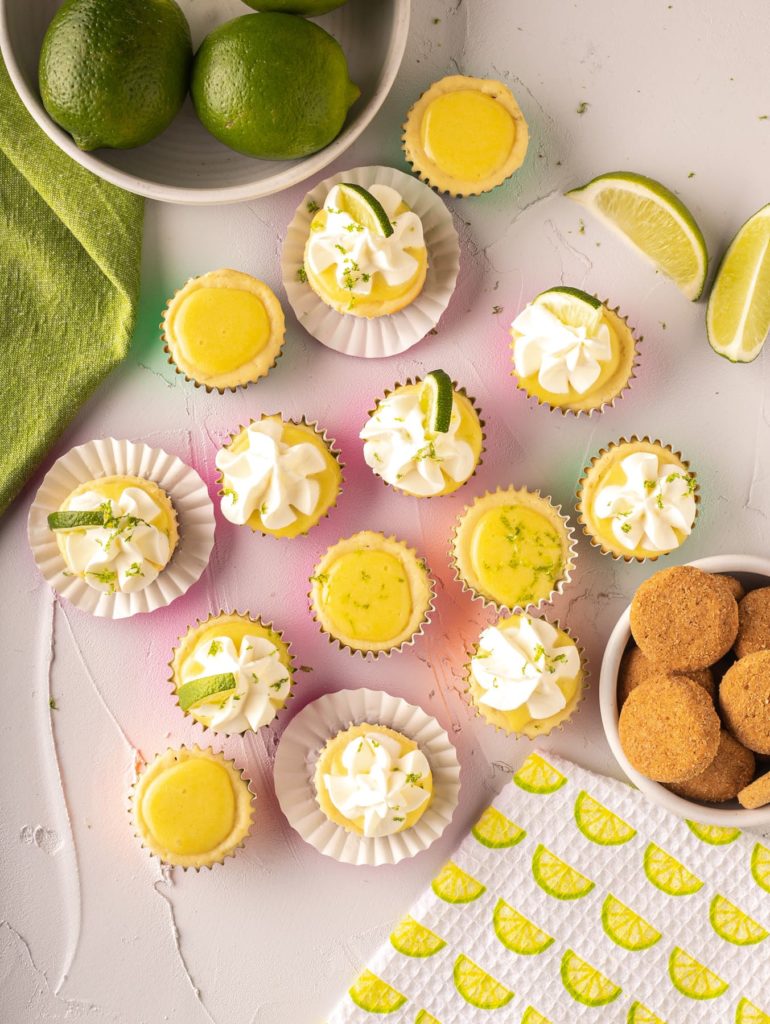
694,688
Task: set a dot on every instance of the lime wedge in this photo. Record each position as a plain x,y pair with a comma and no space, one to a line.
760,866
584,983
413,939
572,306
692,978
438,390
75,520
638,1013
453,885
518,933
599,824
714,835
654,221
373,995
536,775
733,925
667,874
557,878
625,927
477,987
197,690
496,831
362,207
738,314
747,1013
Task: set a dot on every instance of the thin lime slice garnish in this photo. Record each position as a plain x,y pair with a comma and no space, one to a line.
364,209
654,221
75,520
738,313
572,306
440,395
197,690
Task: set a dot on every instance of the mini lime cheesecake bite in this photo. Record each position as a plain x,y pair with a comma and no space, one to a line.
279,477
465,135
224,329
232,673
373,781
191,808
371,593
513,549
424,438
116,533
365,253
525,675
637,500
572,352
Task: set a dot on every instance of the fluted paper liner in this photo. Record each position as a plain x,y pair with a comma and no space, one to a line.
596,542
609,403
200,623
584,685
569,560
396,332
459,390
308,733
110,456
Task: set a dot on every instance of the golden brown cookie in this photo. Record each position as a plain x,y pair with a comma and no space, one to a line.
635,668
757,794
684,619
753,622
669,729
744,697
735,586
724,778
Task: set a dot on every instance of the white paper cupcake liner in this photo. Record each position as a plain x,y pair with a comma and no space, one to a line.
385,335
308,733
108,457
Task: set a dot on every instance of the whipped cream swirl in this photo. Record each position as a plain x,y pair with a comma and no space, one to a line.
654,505
562,356
520,664
400,449
270,477
261,682
127,553
380,785
358,253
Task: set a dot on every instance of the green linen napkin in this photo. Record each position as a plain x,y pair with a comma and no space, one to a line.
70,247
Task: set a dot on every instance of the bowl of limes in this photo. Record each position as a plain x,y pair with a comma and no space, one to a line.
203,101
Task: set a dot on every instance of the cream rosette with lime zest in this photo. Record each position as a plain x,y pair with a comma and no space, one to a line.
564,356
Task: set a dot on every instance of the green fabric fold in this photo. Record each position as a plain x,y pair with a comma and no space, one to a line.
70,255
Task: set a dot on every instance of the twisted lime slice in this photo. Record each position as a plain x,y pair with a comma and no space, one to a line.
557,878
362,207
714,835
496,831
453,885
198,690
517,932
733,925
625,927
477,987
599,824
372,994
667,874
584,983
413,939
536,775
440,398
692,978
75,520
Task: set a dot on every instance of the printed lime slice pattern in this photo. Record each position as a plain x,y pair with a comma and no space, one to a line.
747,1013
714,835
372,994
413,939
533,1016
692,978
599,824
493,829
477,987
625,927
536,775
638,1013
584,983
557,878
517,932
760,866
423,1017
667,874
733,925
453,885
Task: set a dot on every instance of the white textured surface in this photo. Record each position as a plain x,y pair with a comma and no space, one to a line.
94,931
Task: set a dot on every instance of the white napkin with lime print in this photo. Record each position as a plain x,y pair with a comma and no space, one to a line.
574,899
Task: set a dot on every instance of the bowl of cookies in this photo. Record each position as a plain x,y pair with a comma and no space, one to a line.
684,690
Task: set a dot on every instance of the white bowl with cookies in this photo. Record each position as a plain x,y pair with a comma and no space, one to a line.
684,690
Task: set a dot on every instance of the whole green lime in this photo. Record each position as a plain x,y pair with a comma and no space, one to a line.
115,72
272,85
308,7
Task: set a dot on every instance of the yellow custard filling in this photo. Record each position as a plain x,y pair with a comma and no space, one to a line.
445,134
517,555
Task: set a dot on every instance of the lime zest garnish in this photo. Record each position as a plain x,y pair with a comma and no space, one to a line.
206,686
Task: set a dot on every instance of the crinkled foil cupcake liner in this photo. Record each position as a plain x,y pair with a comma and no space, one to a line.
397,648
298,751
460,390
595,542
569,563
112,457
207,730
182,867
385,335
610,404
331,448
584,686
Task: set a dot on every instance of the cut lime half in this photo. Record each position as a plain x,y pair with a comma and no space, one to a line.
692,978
62,521
654,221
201,689
440,398
363,208
372,994
584,983
738,314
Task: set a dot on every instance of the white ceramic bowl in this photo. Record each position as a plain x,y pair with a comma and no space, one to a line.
753,572
186,164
